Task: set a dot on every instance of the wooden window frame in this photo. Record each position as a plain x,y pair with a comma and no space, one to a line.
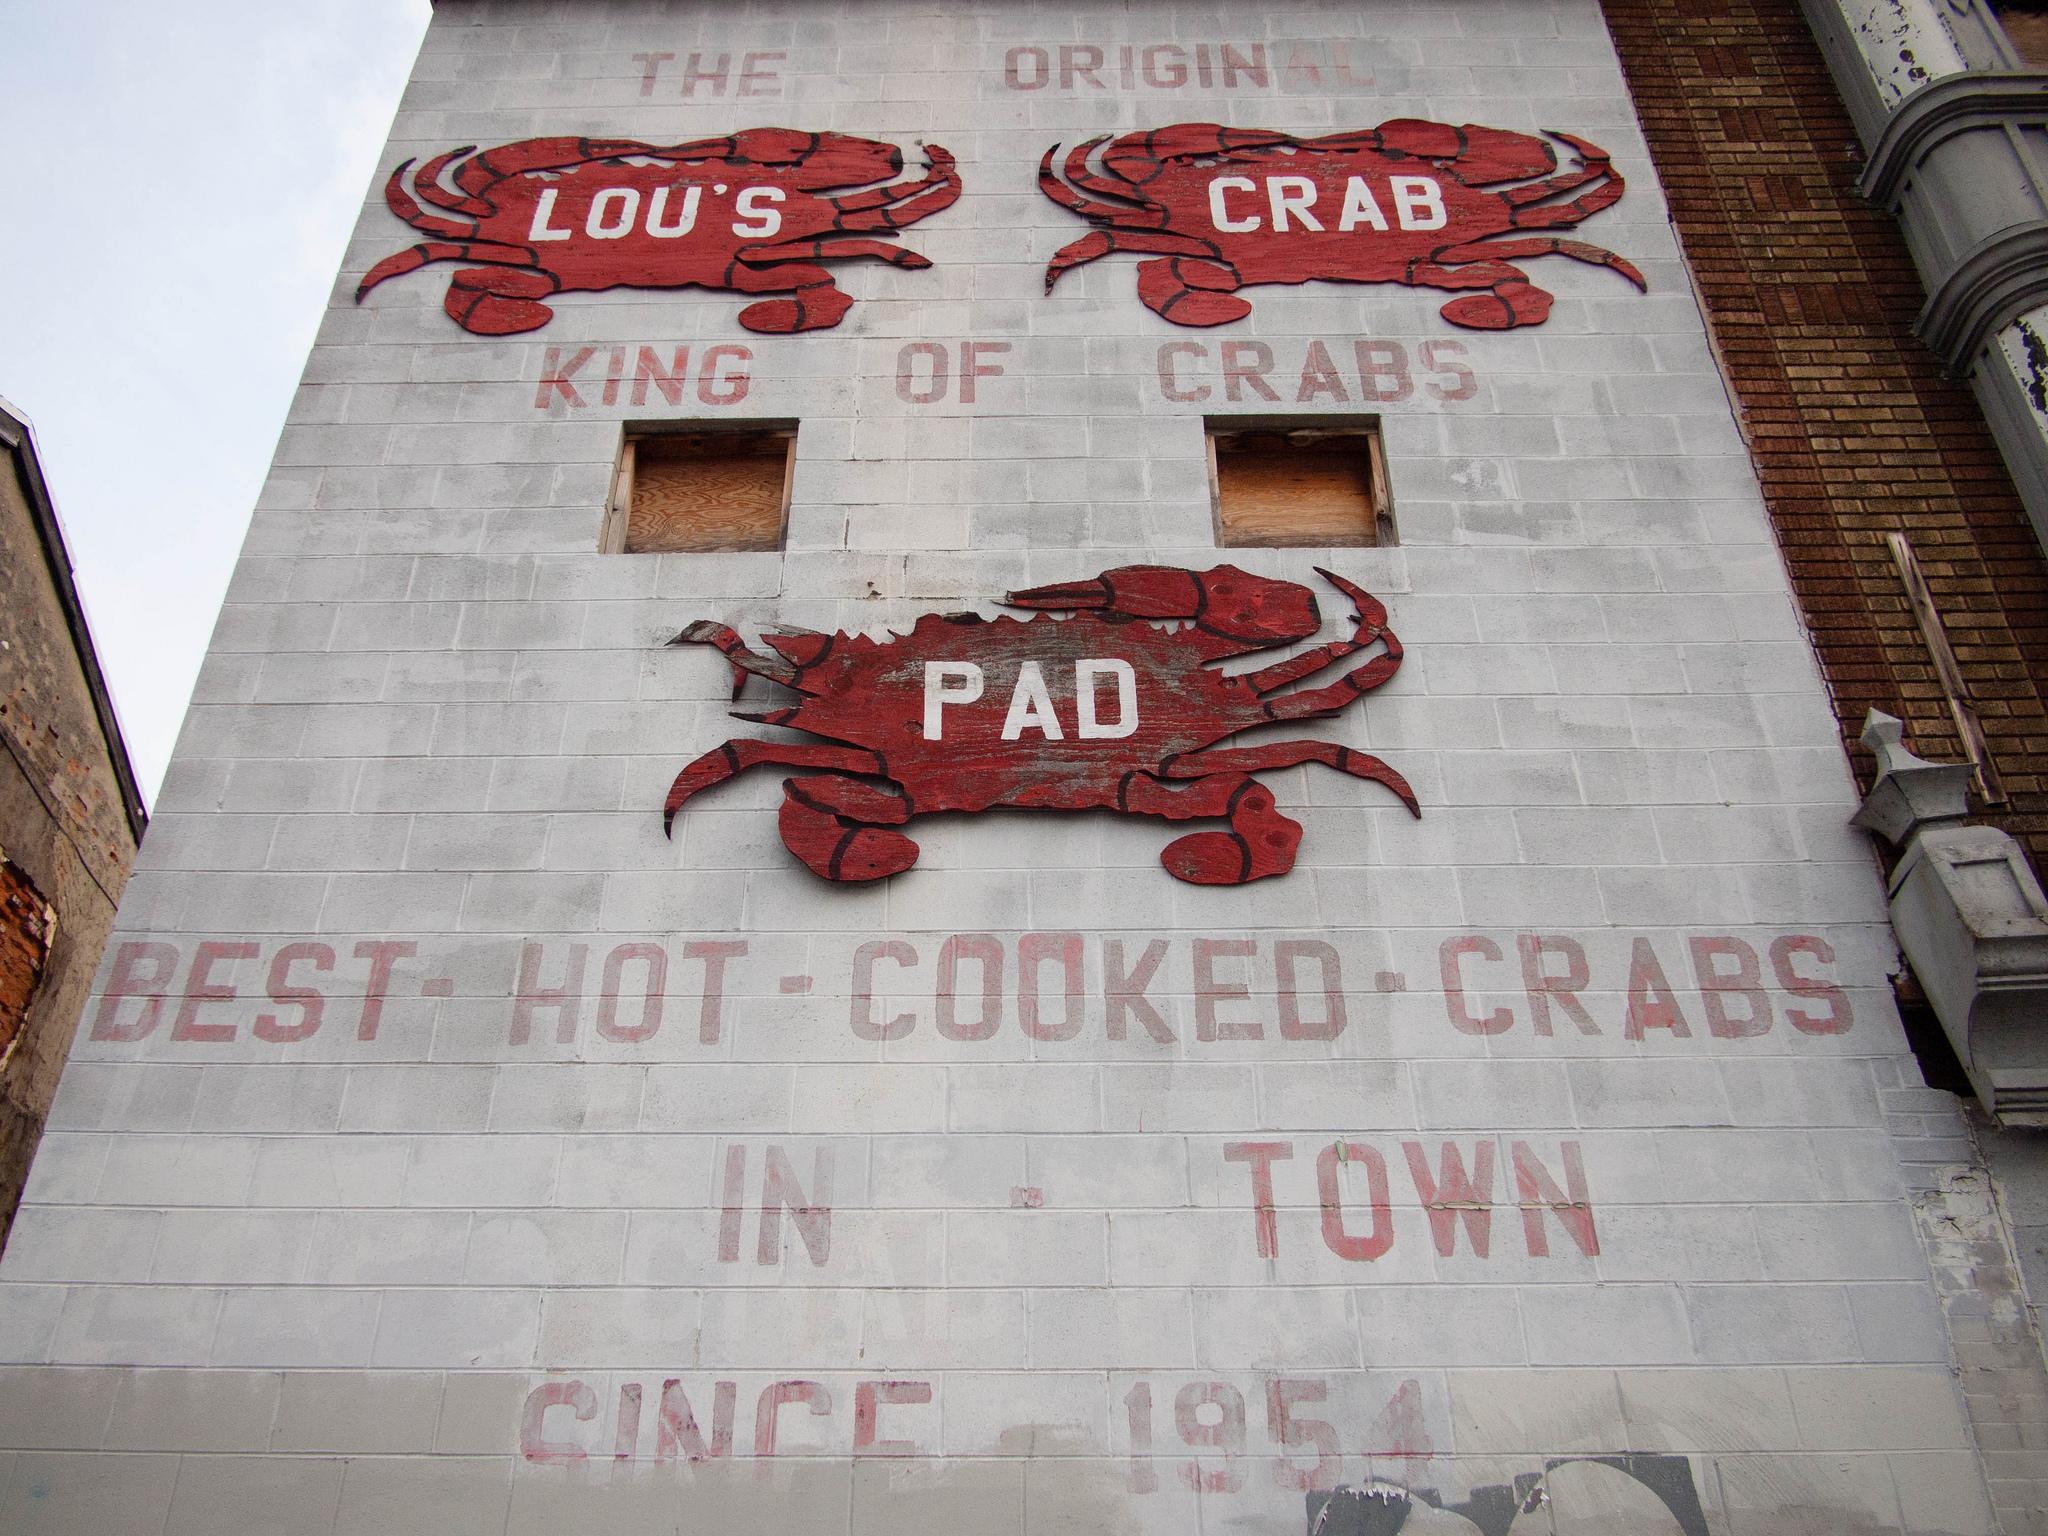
1304,429
618,504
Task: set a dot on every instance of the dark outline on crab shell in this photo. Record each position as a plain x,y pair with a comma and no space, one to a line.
504,294
1193,281
856,691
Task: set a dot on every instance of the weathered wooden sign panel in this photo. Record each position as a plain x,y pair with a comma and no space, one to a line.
748,213
1418,203
1106,709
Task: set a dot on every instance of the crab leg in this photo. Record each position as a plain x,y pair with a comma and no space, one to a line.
1119,213
1148,794
1076,170
1328,700
890,207
1286,754
400,201
1371,618
1058,190
736,757
1313,703
880,805
1332,698
1510,300
723,638
1432,272
1556,215
802,297
1101,242
1590,152
1491,247
1259,841
412,258
1150,152
839,827
1191,290
1295,668
902,212
427,182
803,649
1368,140
827,248
1536,191
500,301
941,178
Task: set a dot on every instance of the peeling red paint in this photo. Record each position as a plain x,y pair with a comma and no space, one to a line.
1424,204
541,217
963,714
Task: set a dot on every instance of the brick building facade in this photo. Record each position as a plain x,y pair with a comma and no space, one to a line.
70,814
479,1129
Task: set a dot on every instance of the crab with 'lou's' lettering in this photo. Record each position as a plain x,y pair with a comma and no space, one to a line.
745,213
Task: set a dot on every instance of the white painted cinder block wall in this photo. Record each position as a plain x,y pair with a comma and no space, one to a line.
409,1274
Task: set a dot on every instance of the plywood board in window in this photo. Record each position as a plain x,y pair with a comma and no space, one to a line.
706,492
1274,492
2029,33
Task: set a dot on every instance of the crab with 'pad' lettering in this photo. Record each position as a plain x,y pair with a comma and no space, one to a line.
566,215
1418,203
906,736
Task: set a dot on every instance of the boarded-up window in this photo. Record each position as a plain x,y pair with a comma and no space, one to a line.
2026,23
26,927
701,491
1290,485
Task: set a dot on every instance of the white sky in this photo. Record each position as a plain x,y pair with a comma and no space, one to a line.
179,183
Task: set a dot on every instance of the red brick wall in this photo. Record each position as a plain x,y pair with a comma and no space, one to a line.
1810,296
24,947
64,831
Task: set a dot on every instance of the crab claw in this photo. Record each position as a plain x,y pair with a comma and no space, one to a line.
725,640
1224,600
1138,591
801,646
1137,156
1372,613
1093,593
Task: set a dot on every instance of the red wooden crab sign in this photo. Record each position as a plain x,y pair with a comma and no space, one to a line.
1108,708
744,213
1418,203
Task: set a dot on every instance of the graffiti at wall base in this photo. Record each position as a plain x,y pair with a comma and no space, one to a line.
1658,1491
